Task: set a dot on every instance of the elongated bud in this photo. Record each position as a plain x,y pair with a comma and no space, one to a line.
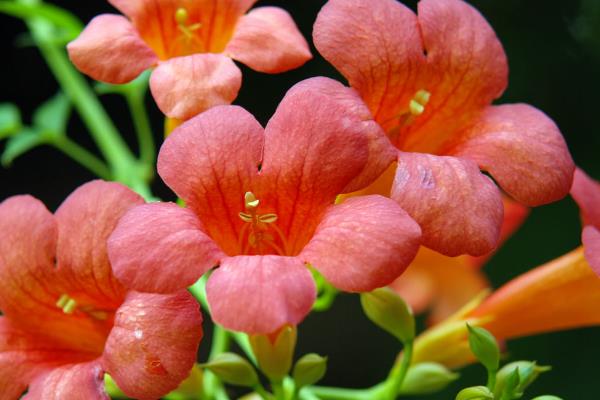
388,311
484,347
427,378
191,386
274,353
511,386
547,397
309,369
528,373
475,393
232,369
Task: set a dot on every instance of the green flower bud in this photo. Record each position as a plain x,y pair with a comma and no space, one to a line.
275,353
388,311
190,387
528,372
232,369
309,369
547,397
111,387
427,378
484,347
511,386
475,393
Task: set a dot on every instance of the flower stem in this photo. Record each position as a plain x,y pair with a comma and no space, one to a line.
141,122
398,372
82,156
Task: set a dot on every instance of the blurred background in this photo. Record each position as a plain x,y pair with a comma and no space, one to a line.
553,49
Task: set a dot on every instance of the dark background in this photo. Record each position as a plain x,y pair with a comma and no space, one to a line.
553,48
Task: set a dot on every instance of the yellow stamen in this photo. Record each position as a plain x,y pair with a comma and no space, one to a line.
62,300
258,224
181,17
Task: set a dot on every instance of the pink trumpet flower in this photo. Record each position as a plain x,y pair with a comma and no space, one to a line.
429,81
66,319
260,207
192,44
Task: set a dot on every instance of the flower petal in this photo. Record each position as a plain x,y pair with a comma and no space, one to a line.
316,145
153,344
364,243
591,244
186,86
586,192
458,208
86,219
377,46
110,50
260,294
523,150
83,381
210,162
267,40
160,247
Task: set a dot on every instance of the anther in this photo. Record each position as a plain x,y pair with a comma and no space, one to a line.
181,16
251,202
66,303
418,102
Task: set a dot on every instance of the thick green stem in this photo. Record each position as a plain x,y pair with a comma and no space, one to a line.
213,388
491,381
398,372
143,129
83,157
278,390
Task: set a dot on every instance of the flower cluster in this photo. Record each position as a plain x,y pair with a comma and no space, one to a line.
409,165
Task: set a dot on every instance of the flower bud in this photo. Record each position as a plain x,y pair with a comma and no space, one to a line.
547,397
232,369
309,369
388,311
274,352
475,393
484,347
528,372
190,387
111,387
427,378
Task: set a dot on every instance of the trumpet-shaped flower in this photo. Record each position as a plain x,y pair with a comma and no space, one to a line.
191,43
442,284
260,207
429,81
562,294
66,319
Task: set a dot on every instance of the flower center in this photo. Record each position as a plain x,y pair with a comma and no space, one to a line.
416,107
260,232
70,306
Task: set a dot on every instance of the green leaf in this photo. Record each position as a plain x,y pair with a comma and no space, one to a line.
233,369
52,116
20,144
59,17
388,311
10,119
484,347
309,369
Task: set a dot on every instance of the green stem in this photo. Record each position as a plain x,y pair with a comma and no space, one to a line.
262,392
82,156
491,381
398,372
143,130
334,393
324,302
220,343
278,390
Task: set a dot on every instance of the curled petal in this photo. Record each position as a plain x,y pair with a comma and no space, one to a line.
267,40
591,244
523,150
160,247
110,50
82,246
260,294
586,193
186,86
458,208
210,162
153,344
363,243
83,381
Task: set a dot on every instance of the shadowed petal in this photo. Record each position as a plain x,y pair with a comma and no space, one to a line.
260,294
268,40
458,208
586,192
86,219
523,150
153,344
110,50
186,86
318,142
363,243
591,243
83,381
160,247
210,162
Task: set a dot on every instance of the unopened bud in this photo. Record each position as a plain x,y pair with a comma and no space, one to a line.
547,397
190,387
274,353
232,369
484,347
388,311
528,372
309,369
475,393
427,378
